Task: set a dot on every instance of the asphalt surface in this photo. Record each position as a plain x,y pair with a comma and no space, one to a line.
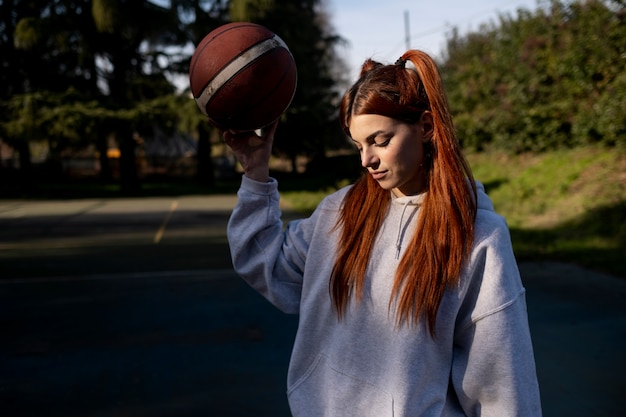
130,307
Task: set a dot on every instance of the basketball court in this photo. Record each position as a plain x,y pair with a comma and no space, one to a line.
130,307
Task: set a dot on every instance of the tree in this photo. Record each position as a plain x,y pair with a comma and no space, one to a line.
112,51
109,64
41,51
541,80
132,36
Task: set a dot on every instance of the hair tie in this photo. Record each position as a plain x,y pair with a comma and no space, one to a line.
401,62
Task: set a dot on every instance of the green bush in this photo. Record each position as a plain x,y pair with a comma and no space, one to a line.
539,81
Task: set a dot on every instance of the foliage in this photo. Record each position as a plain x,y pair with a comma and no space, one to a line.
544,80
103,59
550,79
111,62
68,120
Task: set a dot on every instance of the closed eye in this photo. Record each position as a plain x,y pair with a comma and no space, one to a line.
383,143
375,140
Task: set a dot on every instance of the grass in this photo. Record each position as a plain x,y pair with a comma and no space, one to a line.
543,190
567,205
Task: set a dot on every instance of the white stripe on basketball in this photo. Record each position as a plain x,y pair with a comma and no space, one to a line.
235,66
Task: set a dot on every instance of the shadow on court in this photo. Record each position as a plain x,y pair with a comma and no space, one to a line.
131,308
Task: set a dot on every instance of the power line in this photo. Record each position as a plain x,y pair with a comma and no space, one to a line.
448,26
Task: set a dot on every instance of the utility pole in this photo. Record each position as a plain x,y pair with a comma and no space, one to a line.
407,34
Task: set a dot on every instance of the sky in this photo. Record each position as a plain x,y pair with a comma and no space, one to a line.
376,28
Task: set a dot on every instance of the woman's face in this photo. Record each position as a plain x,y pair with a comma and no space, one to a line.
392,151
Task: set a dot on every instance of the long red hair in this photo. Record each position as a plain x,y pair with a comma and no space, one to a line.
443,238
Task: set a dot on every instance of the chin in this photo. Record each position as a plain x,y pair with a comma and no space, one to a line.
385,185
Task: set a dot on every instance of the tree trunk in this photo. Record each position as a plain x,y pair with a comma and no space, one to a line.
294,164
26,166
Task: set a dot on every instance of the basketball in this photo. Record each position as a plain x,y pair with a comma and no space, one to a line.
242,76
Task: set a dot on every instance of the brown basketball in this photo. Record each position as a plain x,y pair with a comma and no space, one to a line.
242,76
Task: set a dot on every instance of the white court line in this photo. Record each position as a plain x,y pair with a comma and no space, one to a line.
159,234
202,274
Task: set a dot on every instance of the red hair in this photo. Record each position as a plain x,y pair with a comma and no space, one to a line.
445,227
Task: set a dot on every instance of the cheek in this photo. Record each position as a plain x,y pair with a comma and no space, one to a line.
409,159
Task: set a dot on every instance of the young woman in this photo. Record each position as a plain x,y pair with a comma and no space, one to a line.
409,296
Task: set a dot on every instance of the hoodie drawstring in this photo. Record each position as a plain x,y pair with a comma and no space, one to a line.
400,227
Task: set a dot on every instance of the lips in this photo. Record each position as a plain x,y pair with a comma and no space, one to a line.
377,175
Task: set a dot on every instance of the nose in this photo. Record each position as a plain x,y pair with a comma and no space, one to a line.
368,158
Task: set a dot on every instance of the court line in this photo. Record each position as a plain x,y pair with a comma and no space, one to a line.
159,234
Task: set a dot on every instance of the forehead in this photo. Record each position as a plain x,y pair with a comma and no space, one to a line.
364,125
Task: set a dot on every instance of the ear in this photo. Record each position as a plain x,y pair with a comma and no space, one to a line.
428,126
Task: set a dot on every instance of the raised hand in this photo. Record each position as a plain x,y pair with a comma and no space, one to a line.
252,150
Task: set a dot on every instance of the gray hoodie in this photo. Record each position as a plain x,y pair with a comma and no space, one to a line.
480,363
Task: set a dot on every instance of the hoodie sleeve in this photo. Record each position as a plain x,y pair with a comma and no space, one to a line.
268,258
493,369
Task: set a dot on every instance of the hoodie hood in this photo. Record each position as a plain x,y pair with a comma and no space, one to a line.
410,200
484,202
408,206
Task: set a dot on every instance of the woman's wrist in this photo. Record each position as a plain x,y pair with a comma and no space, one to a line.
260,174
